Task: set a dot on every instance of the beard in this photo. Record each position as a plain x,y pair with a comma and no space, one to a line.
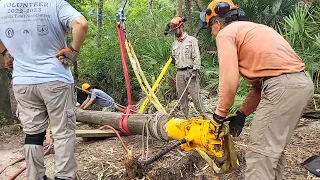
178,34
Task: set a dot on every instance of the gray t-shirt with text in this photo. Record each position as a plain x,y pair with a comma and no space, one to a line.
34,31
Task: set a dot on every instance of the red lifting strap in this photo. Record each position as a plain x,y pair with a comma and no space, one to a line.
123,122
124,62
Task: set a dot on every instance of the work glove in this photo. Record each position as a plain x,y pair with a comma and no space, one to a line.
236,123
8,59
194,73
173,60
219,119
221,130
67,56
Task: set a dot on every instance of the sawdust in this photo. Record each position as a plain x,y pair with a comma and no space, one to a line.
103,159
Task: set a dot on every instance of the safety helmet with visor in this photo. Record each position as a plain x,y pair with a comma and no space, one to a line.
221,8
174,24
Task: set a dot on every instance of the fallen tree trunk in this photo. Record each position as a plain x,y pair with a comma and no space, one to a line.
137,123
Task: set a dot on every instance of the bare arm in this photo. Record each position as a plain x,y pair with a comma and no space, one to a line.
2,47
8,59
91,101
70,18
84,103
79,31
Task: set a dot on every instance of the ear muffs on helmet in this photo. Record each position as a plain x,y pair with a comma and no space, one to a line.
222,8
235,15
184,19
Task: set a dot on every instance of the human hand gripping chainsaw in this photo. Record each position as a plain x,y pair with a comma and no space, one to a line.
67,56
236,123
8,59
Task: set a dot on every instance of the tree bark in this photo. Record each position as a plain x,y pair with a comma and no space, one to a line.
189,13
99,22
137,123
5,105
179,7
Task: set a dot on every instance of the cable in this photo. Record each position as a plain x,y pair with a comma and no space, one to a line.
118,135
13,163
181,96
95,14
162,152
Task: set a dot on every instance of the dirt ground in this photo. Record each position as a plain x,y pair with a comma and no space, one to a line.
103,159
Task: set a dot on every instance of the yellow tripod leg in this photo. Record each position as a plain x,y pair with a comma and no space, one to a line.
136,72
157,103
155,85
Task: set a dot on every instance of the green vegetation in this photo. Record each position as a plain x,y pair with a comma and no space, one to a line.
3,120
297,21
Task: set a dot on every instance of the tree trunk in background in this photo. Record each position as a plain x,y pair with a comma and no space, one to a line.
75,69
189,15
179,7
5,105
99,22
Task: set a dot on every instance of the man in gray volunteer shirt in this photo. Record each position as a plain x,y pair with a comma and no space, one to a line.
33,35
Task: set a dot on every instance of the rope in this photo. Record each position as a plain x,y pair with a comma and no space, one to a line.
106,99
147,139
184,91
158,115
145,125
142,139
118,135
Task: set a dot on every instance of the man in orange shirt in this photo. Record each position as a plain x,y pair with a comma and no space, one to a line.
280,86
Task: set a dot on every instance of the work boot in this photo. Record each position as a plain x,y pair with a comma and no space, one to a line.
44,178
76,178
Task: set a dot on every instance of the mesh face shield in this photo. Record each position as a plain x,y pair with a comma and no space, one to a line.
174,24
171,28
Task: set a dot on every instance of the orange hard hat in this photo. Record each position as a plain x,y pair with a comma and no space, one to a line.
175,23
219,8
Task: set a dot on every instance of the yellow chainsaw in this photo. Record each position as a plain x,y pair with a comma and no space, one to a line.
210,139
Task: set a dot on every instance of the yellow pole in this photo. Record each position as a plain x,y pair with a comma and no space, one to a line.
155,85
135,70
157,103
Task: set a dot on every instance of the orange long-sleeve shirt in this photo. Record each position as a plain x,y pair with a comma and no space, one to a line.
253,51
